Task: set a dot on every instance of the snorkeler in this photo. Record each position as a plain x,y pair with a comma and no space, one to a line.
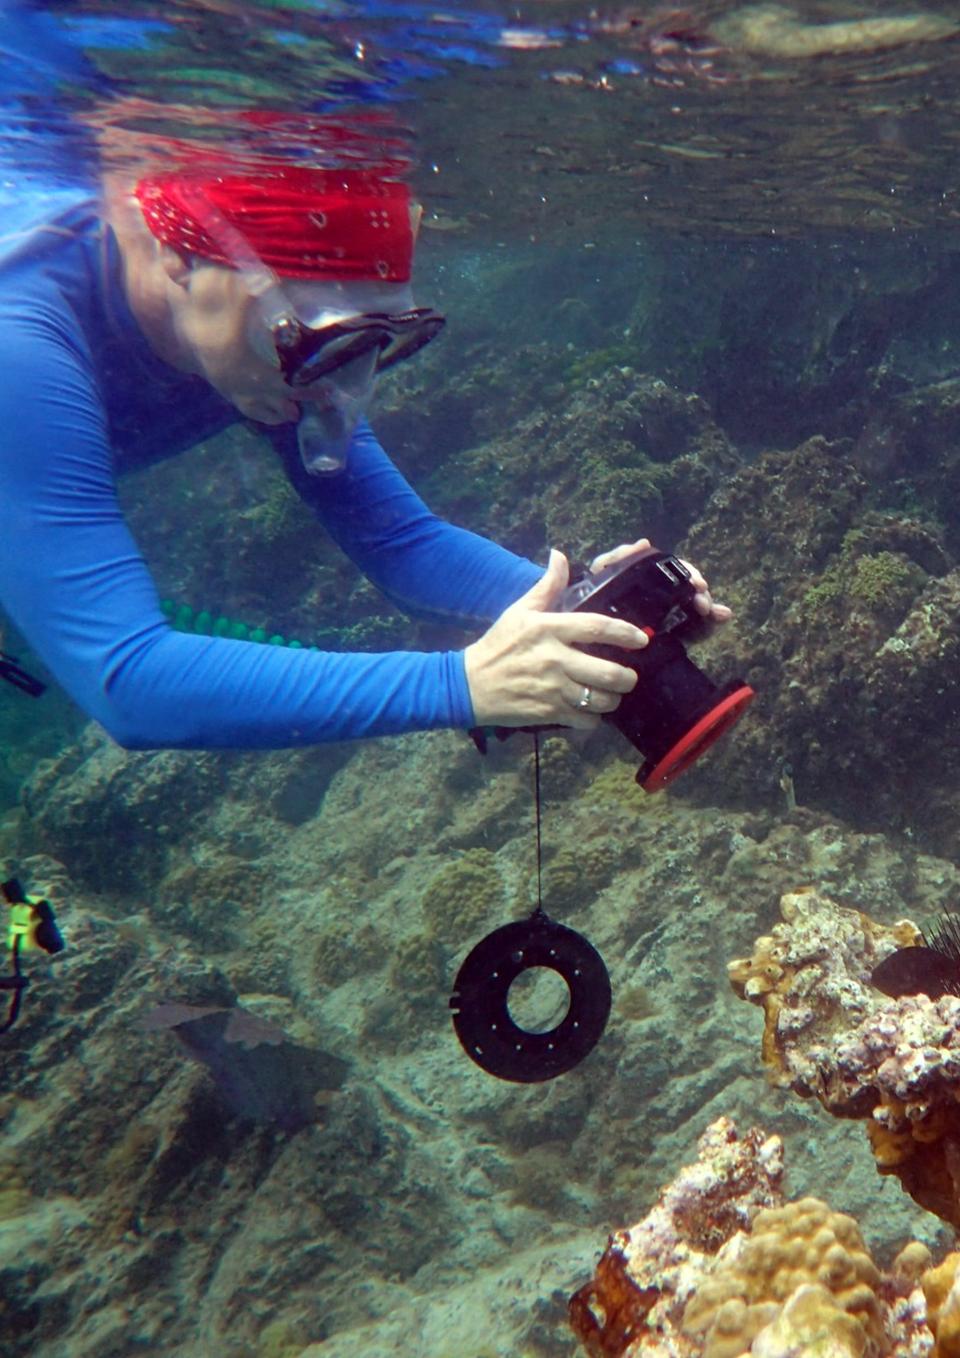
132,331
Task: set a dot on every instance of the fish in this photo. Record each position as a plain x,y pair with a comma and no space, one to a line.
931,968
262,1075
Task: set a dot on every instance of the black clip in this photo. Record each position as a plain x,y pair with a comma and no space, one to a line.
15,674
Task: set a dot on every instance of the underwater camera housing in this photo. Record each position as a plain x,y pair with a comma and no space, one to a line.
675,712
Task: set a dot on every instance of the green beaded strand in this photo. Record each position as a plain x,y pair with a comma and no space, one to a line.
184,619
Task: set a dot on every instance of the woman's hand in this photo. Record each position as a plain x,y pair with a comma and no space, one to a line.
526,669
702,600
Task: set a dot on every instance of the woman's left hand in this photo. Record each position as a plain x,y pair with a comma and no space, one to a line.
703,601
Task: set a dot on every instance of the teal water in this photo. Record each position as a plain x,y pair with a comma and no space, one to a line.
701,277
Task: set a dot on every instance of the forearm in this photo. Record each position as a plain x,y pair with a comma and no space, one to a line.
76,586
445,573
177,691
88,607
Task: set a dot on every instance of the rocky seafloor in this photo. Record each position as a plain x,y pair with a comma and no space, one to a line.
139,1216
334,892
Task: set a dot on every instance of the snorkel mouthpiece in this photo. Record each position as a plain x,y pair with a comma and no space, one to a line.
323,437
327,423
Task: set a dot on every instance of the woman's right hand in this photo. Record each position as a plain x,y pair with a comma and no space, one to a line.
526,669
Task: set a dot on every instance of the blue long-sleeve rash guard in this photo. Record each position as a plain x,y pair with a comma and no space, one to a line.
82,398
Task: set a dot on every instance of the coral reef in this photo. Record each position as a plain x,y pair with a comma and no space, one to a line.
837,553
942,1293
623,450
333,890
802,1270
884,581
846,624
465,894
708,1203
136,793
830,1033
722,1266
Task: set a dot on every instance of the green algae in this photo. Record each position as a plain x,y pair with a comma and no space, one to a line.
616,783
419,968
15,1196
881,581
597,363
464,894
828,591
882,577
576,874
281,1339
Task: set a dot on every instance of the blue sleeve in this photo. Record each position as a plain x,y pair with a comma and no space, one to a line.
75,584
425,565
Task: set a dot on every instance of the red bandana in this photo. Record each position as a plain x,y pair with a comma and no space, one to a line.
300,222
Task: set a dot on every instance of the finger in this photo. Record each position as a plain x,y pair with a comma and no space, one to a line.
599,701
696,579
616,554
597,629
600,676
703,603
544,594
579,719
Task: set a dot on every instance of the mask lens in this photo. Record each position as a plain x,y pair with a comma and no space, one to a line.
356,375
414,333
334,352
306,354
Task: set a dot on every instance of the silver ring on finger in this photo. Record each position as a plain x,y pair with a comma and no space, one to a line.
586,697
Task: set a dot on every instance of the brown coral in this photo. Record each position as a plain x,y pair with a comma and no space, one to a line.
801,1252
829,1033
770,1279
941,1288
641,1281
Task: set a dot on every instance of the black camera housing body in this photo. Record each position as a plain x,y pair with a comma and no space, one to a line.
675,711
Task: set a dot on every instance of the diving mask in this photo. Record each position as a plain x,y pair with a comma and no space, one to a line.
306,353
339,363
337,353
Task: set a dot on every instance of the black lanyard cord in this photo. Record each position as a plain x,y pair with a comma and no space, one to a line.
536,798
